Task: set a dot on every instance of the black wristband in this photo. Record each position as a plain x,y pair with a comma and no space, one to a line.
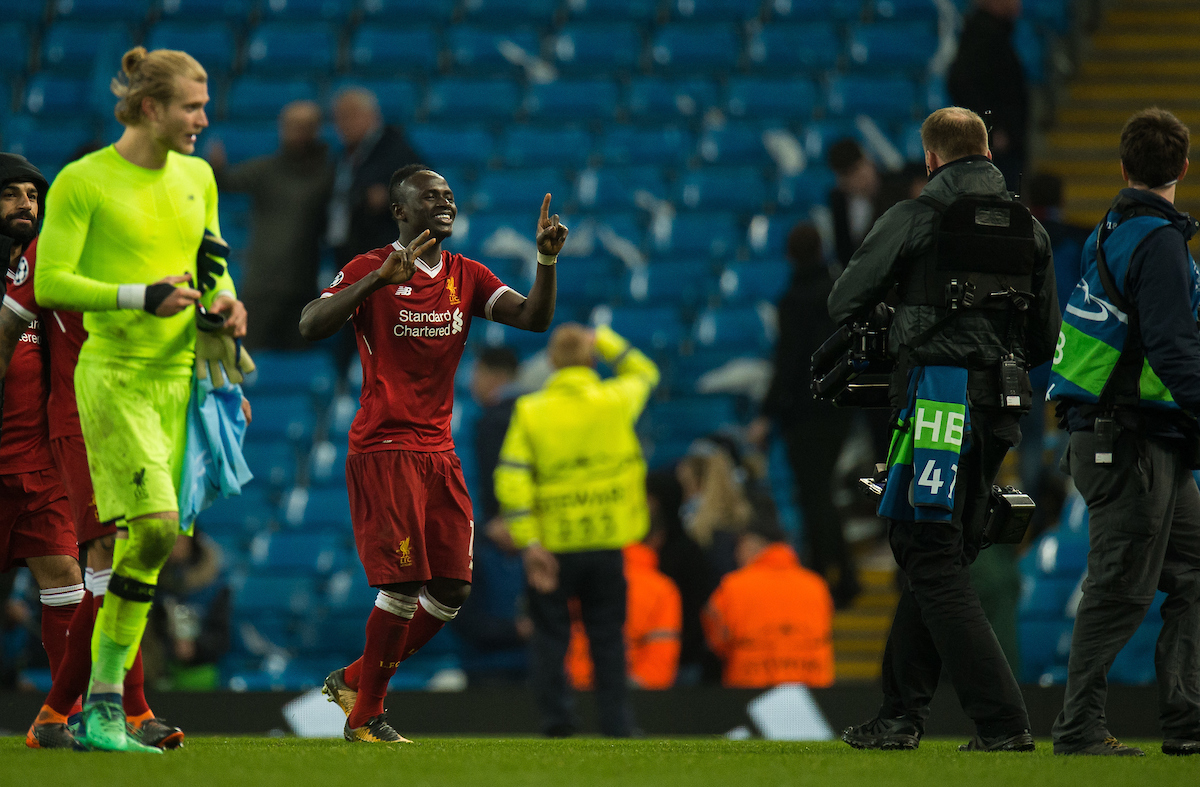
156,294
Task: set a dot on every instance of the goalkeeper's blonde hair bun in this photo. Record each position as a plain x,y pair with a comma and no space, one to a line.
150,75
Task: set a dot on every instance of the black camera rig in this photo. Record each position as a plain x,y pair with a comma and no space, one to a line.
852,367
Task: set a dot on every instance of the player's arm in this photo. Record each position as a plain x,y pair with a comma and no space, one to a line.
326,315
535,312
12,325
636,374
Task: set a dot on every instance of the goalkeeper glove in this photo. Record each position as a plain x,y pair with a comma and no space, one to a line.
210,261
217,350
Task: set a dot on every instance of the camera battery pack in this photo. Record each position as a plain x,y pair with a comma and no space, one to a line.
1009,512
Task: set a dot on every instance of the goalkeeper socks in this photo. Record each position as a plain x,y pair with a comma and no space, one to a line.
431,616
386,629
118,631
58,607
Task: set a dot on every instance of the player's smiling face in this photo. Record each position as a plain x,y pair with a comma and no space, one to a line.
177,124
430,205
19,211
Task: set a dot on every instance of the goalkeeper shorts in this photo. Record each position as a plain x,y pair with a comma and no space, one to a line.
135,428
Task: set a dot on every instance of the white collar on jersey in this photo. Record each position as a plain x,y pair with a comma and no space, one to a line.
421,264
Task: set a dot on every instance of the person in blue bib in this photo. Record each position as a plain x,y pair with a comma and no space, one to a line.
976,308
1126,376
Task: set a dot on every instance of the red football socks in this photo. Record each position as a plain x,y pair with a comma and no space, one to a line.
385,643
420,631
134,697
354,673
55,622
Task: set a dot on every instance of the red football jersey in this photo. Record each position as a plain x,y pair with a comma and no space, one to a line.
64,334
25,438
410,339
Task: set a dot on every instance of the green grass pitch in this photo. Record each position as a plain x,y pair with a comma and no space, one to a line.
493,762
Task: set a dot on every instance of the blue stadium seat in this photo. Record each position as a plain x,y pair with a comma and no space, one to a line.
525,146
908,142
14,43
819,136
783,48
663,146
244,141
403,12
734,143
74,46
48,142
398,99
477,100
680,282
695,48
613,10
253,98
33,11
483,226
572,101
376,49
652,328
597,48
279,592
292,372
617,188
272,462
758,280
348,590
654,99
722,188
307,10
311,552
282,416
211,43
481,50
322,510
767,235
533,12
714,10
327,463
206,10
518,189
790,99
1053,14
47,95
250,511
1031,51
903,10
1043,644
130,11
291,48
1045,598
807,10
584,282
733,326
692,417
700,235
898,45
810,187
883,98
454,145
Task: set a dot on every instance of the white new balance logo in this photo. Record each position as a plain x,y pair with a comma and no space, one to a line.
404,289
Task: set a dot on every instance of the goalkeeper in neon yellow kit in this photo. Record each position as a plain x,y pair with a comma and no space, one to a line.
120,243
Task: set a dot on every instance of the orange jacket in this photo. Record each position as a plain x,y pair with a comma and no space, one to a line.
771,622
653,619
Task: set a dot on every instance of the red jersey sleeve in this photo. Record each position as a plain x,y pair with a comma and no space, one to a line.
487,288
354,270
19,297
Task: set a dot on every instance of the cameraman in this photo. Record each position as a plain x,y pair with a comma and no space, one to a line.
977,305
1127,376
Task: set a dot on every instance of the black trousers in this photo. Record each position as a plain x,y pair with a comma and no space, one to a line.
597,579
1144,534
939,621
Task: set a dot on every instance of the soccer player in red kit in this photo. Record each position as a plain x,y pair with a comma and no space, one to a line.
35,519
411,305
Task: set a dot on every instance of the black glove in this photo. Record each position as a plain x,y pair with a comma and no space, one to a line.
210,261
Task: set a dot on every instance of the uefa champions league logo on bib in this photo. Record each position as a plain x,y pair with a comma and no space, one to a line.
22,272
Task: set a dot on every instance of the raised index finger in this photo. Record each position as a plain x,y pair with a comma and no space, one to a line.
545,212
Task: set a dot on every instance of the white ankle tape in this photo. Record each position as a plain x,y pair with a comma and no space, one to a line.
396,603
97,581
62,597
436,608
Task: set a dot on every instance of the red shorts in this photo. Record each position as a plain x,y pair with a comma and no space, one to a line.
35,518
71,457
412,516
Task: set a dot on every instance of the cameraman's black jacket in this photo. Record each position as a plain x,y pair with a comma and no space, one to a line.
904,238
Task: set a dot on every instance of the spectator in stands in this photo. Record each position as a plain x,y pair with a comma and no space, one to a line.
987,77
852,200
189,628
1045,194
653,621
814,431
715,505
289,192
907,183
771,621
493,389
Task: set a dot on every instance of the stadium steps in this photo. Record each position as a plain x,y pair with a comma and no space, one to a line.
860,632
1145,53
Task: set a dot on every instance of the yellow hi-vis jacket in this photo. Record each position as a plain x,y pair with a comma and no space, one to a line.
571,474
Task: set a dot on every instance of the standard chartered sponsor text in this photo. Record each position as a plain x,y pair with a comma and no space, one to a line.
428,325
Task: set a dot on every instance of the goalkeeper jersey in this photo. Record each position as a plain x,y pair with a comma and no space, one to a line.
110,222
